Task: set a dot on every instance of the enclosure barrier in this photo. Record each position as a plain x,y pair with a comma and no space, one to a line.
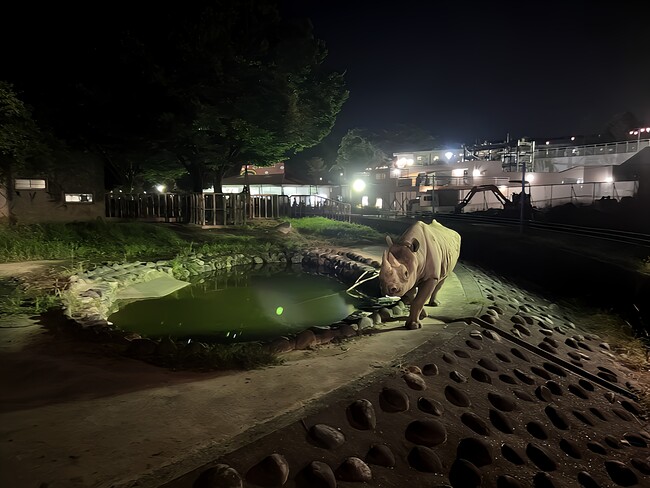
213,209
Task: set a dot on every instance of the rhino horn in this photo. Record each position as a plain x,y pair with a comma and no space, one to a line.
389,241
392,259
385,263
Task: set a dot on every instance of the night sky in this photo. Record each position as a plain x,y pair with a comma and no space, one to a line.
473,71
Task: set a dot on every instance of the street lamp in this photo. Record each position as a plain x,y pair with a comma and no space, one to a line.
637,133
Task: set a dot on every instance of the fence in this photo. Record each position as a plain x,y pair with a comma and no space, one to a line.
212,209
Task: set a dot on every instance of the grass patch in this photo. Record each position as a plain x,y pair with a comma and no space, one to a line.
344,233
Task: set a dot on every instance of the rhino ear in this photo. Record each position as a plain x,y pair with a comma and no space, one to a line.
415,245
389,241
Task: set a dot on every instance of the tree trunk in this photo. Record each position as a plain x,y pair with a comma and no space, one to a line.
196,174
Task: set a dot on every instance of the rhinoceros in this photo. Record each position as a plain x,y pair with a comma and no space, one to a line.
422,258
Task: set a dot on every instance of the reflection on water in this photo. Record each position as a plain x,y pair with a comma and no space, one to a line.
241,306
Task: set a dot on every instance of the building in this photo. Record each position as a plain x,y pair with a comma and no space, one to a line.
554,173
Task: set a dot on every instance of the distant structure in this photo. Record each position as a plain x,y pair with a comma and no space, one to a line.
555,171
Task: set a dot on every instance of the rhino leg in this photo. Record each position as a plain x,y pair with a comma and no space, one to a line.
417,307
433,301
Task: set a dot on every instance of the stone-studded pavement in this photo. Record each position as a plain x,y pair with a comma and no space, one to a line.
519,397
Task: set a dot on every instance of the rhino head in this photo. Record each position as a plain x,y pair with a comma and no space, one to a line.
398,272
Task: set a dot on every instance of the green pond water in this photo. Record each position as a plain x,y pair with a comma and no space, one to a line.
240,307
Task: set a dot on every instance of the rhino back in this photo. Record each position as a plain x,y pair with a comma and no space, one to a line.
439,249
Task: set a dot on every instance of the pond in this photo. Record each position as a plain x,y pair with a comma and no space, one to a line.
241,306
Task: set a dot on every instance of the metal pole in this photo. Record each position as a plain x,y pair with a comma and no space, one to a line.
522,197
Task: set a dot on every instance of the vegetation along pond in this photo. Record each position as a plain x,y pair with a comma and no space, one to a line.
241,306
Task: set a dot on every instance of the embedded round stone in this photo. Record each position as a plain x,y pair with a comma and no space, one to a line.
635,440
514,455
476,451
326,436
430,370
519,354
570,448
571,342
507,481
558,418
427,432
489,318
524,377
578,391
507,379
522,329
586,481
473,344
543,393
546,347
537,430
583,417
361,415
596,447
641,465
476,334
414,381
462,354
474,422
540,372
220,475
522,395
318,475
380,455
501,422
613,442
608,376
480,375
517,320
487,364
554,369
598,413
457,397
354,469
425,460
620,473
463,474
433,407
504,404
554,387
544,480
273,470
551,342
502,357
449,359
623,415
490,334
457,377
411,368
540,457
393,400
631,407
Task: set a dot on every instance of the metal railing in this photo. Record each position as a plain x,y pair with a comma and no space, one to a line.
316,205
591,149
213,209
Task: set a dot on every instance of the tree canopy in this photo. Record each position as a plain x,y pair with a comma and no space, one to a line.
200,88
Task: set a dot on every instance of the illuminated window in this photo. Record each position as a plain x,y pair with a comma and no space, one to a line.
79,198
380,176
24,184
379,203
364,201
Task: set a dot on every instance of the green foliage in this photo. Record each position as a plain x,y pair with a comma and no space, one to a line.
357,153
341,231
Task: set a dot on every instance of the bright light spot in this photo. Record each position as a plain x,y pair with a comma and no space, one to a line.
449,154
573,138
379,203
476,172
548,142
359,185
530,177
581,181
160,188
320,179
609,179
364,201
436,158
397,172
279,310
340,174
631,132
503,188
457,172
409,162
